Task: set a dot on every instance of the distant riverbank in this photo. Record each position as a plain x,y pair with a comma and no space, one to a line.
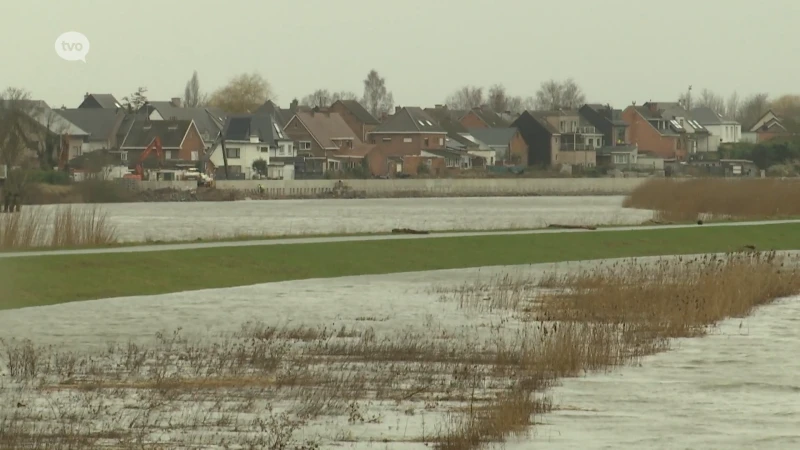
182,191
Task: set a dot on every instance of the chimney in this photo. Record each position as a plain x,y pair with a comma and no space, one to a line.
397,109
176,102
653,107
85,96
293,106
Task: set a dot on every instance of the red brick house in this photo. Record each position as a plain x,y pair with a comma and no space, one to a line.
483,117
409,131
653,133
771,125
180,140
320,133
356,117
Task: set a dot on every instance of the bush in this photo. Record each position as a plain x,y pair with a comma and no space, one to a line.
48,177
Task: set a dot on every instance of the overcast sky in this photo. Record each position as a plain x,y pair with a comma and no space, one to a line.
617,50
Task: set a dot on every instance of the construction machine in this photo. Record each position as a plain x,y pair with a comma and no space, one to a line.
138,172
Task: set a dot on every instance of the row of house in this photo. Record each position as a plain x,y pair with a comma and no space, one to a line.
302,142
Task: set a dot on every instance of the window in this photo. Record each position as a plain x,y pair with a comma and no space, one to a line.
620,159
563,126
441,141
168,154
387,139
426,142
574,126
305,145
264,149
234,153
591,142
123,156
194,156
408,140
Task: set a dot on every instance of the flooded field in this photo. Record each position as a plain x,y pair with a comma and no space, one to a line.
191,220
735,388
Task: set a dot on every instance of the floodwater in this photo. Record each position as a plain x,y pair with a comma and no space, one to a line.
737,388
190,220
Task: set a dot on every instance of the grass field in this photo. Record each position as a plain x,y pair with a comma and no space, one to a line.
44,280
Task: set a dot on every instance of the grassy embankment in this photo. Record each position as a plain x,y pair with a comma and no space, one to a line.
751,199
42,280
301,386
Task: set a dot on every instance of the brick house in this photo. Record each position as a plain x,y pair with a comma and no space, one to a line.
409,131
457,133
180,140
771,125
356,116
558,137
320,133
666,129
483,117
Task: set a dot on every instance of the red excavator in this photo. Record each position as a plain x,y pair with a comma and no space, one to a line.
138,172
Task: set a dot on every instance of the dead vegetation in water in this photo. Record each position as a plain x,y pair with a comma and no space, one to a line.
687,200
298,387
62,227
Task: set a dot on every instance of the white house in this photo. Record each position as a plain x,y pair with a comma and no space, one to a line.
250,138
722,130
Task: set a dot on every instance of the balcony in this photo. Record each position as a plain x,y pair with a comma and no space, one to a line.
581,130
575,147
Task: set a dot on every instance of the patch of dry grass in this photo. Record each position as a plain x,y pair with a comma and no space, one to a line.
681,200
63,227
295,387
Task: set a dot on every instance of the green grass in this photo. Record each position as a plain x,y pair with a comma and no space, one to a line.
43,280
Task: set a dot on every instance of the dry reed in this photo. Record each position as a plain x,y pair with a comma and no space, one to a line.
265,385
61,227
682,200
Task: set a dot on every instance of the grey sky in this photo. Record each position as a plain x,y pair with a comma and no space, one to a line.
618,50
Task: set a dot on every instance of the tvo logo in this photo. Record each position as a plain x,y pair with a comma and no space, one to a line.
72,46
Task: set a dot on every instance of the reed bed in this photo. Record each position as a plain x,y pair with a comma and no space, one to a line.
686,200
60,227
303,387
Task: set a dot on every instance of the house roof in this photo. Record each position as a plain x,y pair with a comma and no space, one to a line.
358,110
541,118
410,119
208,120
447,153
241,127
100,123
282,115
106,101
707,116
326,127
491,118
450,124
670,110
614,116
142,133
41,112
494,136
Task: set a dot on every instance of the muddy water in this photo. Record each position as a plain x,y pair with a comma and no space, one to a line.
737,388
190,220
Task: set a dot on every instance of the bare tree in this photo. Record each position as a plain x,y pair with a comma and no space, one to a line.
16,108
136,100
242,94
191,93
377,99
732,107
554,95
16,123
752,108
319,98
467,97
343,95
710,100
